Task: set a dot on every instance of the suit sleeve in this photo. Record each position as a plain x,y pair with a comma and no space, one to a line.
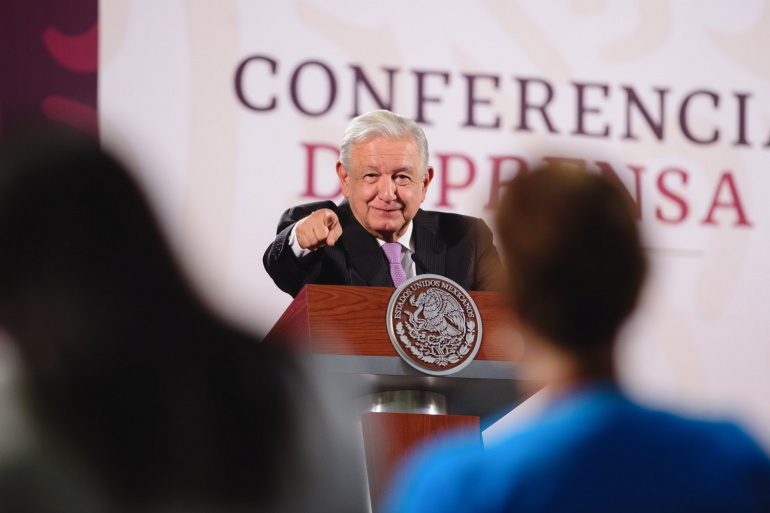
288,272
488,272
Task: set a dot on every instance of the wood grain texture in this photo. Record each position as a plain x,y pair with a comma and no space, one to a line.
345,320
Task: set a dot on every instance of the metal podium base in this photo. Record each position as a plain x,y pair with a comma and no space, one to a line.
404,401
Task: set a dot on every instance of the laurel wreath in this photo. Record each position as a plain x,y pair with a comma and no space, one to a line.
428,348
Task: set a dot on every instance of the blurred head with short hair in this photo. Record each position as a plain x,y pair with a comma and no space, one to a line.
576,267
574,260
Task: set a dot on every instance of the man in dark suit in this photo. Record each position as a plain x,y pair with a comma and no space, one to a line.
378,235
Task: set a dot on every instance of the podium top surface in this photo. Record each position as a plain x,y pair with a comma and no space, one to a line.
346,320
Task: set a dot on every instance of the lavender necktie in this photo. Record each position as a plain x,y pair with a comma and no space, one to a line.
393,252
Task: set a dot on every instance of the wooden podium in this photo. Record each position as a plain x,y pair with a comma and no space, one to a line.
344,330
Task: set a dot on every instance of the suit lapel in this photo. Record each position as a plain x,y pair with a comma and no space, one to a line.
366,258
430,250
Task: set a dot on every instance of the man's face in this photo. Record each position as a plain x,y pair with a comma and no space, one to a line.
385,185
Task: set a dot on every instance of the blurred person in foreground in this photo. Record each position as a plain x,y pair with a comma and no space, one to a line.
575,269
378,235
140,397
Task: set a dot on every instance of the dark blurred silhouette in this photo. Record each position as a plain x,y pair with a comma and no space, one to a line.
140,392
575,270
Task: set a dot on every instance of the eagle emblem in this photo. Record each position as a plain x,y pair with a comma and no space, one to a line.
434,324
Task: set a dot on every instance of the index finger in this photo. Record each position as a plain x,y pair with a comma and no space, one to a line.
335,233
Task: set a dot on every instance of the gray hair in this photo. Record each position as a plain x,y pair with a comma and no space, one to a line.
383,123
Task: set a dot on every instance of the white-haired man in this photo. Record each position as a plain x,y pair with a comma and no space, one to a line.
379,235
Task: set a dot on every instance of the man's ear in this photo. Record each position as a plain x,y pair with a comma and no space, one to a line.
426,181
342,174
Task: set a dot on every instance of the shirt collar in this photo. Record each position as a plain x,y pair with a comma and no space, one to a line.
405,240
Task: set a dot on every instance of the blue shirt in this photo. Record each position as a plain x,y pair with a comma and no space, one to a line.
593,451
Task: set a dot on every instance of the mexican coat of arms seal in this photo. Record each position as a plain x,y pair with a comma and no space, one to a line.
434,324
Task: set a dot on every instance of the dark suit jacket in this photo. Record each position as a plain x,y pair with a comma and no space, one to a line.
451,245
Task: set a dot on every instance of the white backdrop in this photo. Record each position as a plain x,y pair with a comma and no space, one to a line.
671,96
